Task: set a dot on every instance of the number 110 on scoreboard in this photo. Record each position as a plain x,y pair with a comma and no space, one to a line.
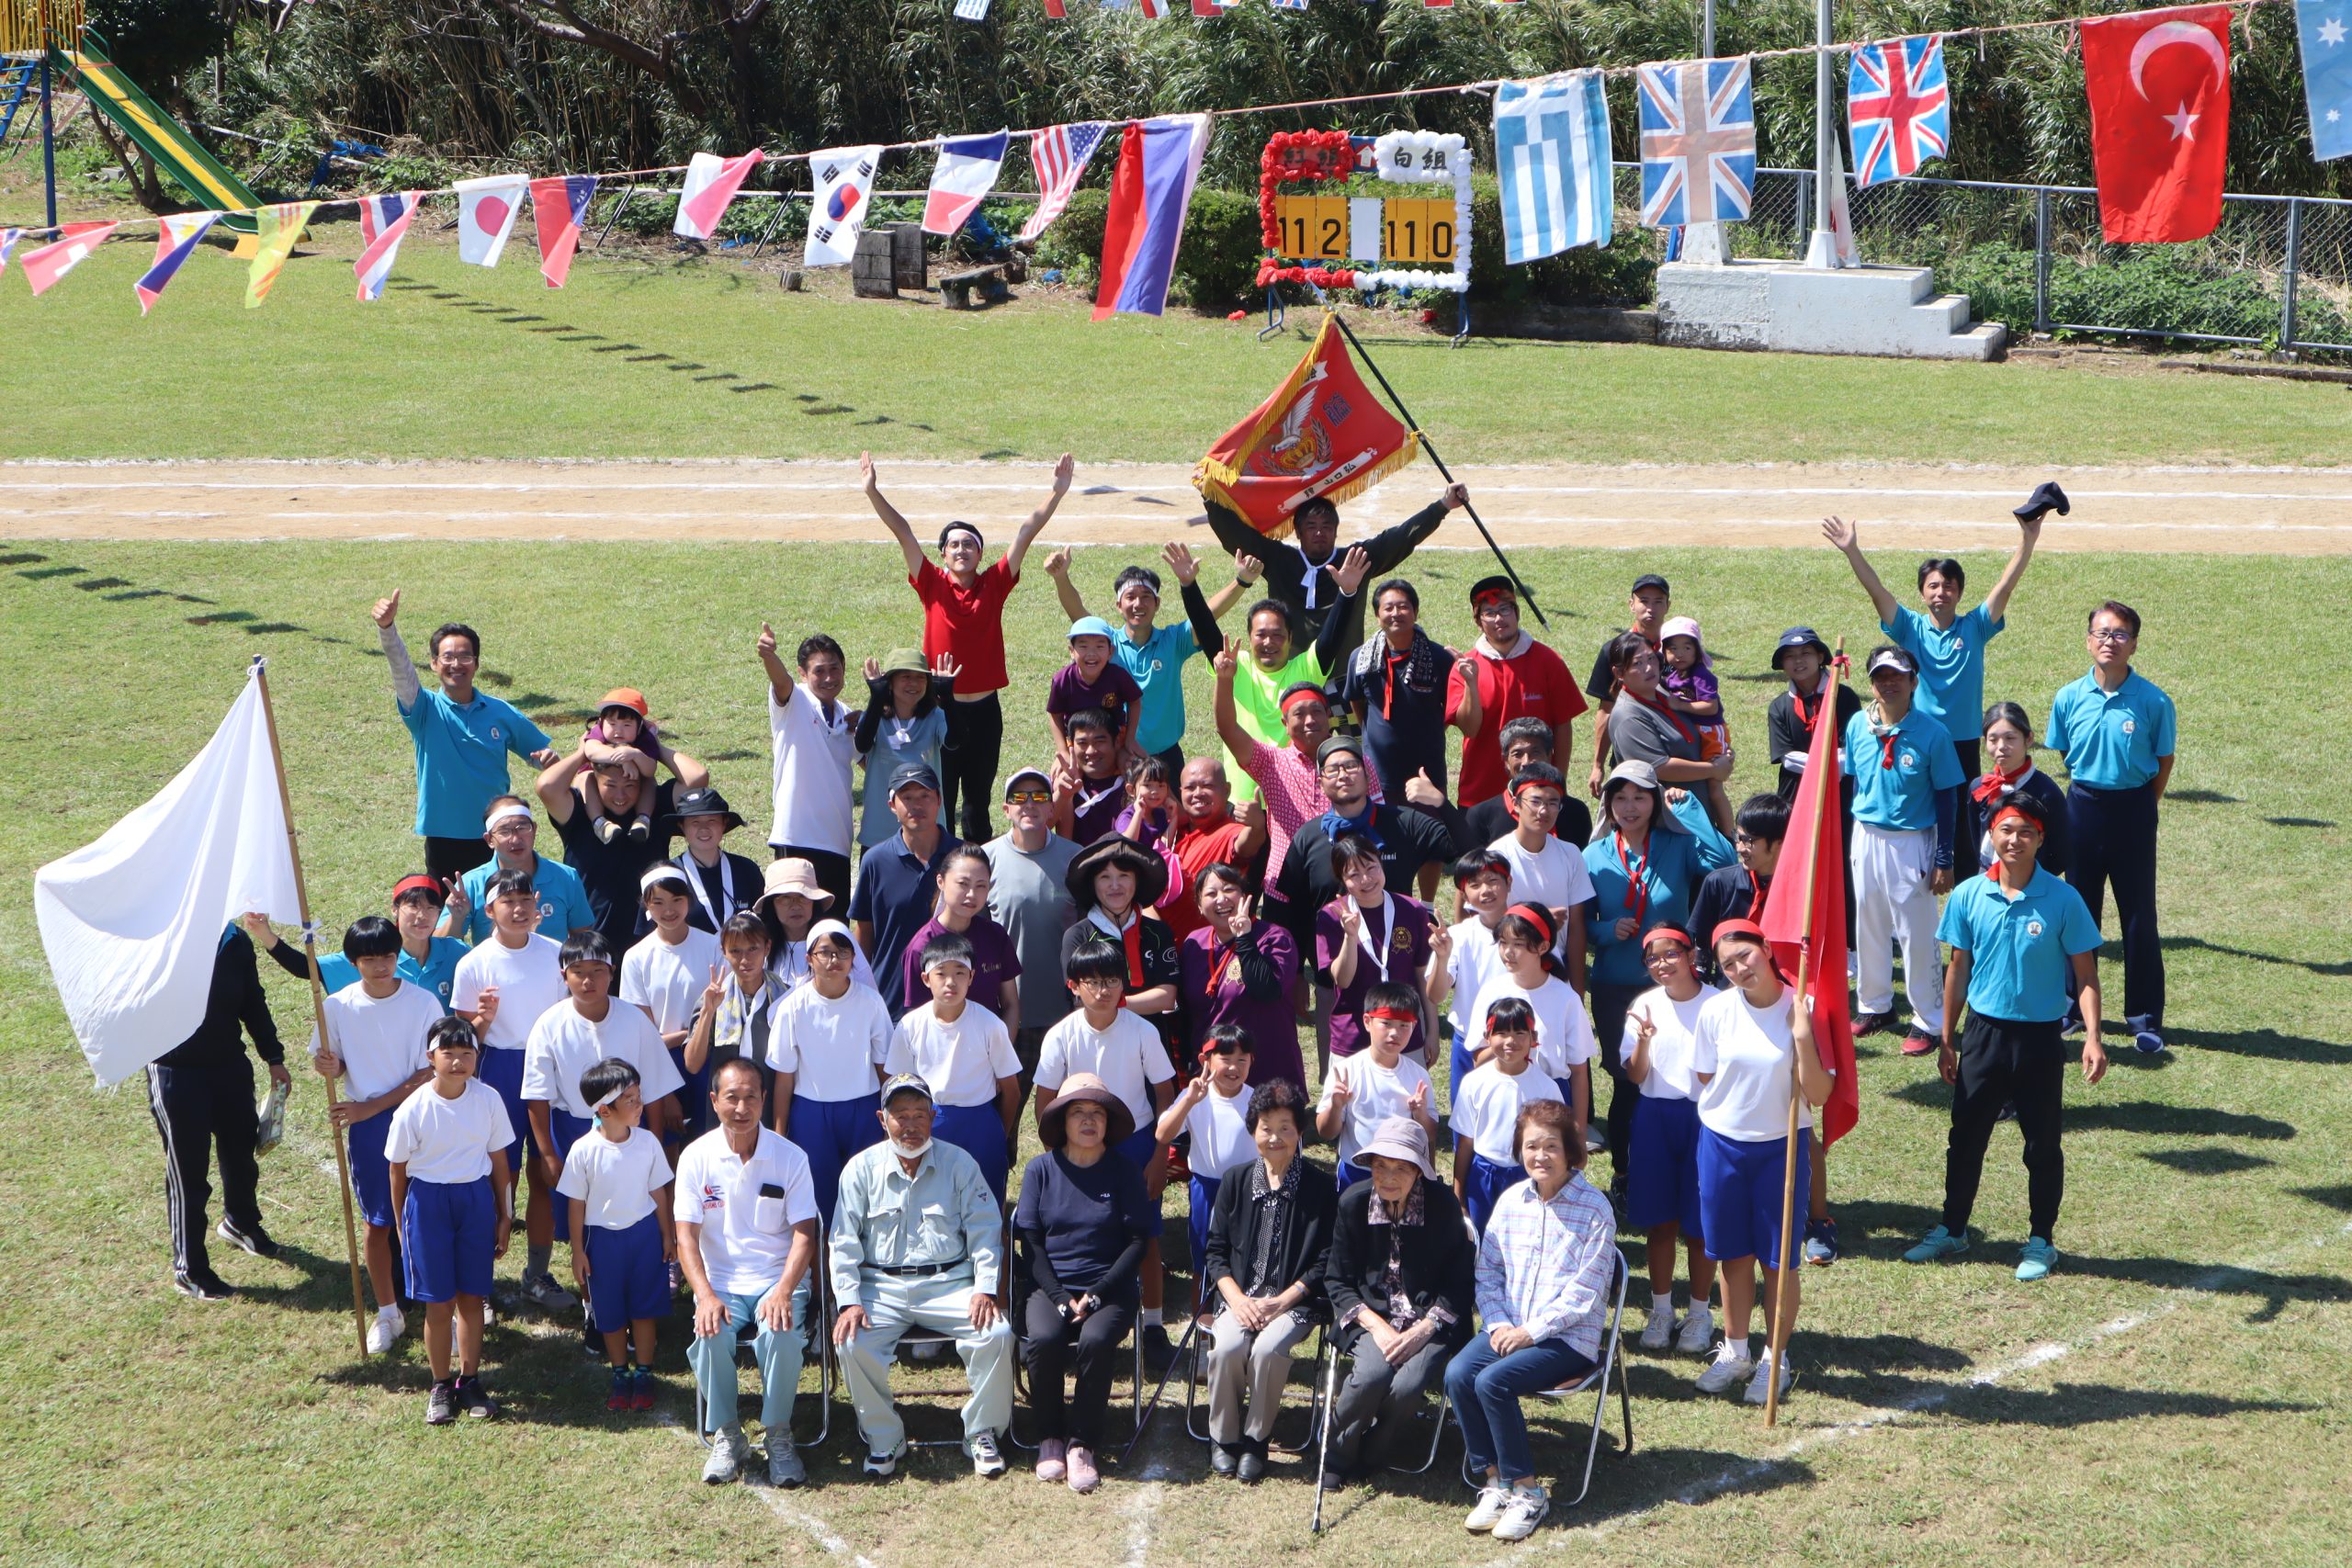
1412,230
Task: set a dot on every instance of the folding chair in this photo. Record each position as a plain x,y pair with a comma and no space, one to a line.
1018,1296
1329,1403
1597,1381
819,1339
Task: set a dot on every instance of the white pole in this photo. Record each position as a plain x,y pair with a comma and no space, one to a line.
1704,242
1821,247
1707,30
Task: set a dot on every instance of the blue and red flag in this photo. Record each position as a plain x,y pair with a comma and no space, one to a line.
560,205
1898,107
1160,160
176,240
383,220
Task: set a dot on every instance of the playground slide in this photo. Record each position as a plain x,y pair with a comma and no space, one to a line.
176,153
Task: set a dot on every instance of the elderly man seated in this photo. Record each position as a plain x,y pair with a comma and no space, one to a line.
917,1241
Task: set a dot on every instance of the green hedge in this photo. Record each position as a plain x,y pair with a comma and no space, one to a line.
2153,288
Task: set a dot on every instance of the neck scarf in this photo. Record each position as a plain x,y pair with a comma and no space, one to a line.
1756,887
1637,892
1811,712
1423,661
1392,1275
1311,573
1671,717
1275,1201
1887,734
1995,785
1368,824
1129,937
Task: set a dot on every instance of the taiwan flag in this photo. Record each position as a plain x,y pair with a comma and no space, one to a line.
2159,89
1809,939
1151,189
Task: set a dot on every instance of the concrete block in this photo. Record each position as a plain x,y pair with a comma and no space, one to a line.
1790,308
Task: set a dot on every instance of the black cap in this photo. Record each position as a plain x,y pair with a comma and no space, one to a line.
1495,584
705,803
1798,637
1652,580
1337,744
913,773
2047,497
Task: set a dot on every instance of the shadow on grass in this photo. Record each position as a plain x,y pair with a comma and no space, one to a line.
2199,797
2150,1117
2198,944
2273,1291
1893,1226
2271,1045
2333,1196
1653,1476
2206,1162
2062,1405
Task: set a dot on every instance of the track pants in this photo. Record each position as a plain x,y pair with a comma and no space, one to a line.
1894,904
195,1110
2115,845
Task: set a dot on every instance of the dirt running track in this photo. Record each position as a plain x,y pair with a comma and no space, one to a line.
2284,512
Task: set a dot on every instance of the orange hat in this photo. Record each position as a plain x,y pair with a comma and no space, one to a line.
628,697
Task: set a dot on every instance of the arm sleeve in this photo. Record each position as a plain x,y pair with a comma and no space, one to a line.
1330,642
252,1007
1492,1282
1041,1268
1233,533
1784,732
1262,977
869,723
1577,1290
1217,1256
1340,1272
1389,548
1947,804
1206,633
405,682
284,955
1316,1241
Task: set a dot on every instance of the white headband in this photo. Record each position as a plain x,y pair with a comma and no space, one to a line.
504,813
610,1098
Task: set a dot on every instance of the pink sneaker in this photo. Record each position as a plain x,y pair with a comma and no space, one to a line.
1083,1476
1049,1460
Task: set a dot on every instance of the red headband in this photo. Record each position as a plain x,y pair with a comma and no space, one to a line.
408,884
1297,698
1673,933
2010,809
1394,1015
1480,601
1540,917
1739,928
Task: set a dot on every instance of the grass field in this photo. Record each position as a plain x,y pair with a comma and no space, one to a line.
2176,1394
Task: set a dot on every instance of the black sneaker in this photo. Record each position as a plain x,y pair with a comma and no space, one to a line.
440,1406
202,1284
475,1399
1159,1355
1872,1024
641,830
252,1239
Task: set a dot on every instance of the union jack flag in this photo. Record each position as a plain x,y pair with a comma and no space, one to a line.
1698,142
1059,153
1898,107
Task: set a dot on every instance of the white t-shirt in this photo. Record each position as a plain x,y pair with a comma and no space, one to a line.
1670,1076
831,1047
380,1040
1380,1092
1751,1054
667,981
961,1061
1553,877
529,979
563,1046
1470,966
1220,1128
810,782
448,1140
1128,1058
788,962
1485,1108
618,1181
745,1237
1563,1034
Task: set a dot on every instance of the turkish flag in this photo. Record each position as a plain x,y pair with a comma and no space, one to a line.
1811,938
2159,89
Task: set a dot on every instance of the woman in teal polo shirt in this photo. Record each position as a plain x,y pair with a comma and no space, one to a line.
1152,653
2115,729
2024,947
1907,793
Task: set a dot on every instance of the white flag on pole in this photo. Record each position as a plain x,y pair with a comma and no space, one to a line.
131,924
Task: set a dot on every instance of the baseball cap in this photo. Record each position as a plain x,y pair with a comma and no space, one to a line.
913,773
628,697
1652,580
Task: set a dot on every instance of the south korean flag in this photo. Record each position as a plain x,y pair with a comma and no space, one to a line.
842,179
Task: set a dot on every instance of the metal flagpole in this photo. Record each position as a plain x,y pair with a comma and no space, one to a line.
1526,594
1779,1338
318,1003
1821,250
47,137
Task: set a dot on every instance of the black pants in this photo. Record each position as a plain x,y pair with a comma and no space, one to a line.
974,746
833,875
1971,764
195,1110
2114,845
1610,1004
1172,756
2003,1062
1049,1346
449,859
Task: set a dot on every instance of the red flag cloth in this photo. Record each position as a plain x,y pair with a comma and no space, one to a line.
2159,89
1321,433
1816,839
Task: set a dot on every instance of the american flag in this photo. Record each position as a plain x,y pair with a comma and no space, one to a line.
1059,153
1698,142
1898,107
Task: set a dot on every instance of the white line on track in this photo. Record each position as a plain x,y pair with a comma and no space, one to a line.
799,1518
1141,1509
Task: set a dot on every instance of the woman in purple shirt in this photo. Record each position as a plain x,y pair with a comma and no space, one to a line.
1242,970
963,907
1367,935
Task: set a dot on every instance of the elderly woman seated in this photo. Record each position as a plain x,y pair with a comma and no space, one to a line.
1401,1292
1083,1221
1270,1235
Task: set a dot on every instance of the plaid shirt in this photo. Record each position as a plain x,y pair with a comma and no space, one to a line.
1546,1268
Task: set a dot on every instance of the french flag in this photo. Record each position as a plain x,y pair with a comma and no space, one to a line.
176,240
383,222
711,184
1159,162
963,178
44,266
560,204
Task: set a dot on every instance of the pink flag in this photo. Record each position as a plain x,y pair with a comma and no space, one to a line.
711,184
54,260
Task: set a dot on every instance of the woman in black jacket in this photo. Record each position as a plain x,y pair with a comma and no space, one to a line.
1401,1281
1270,1235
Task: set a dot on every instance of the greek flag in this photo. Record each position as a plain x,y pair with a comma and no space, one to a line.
1552,154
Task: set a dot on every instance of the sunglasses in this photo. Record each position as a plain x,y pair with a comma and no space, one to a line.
1029,797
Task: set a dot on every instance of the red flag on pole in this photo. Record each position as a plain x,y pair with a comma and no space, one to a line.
2159,88
1804,917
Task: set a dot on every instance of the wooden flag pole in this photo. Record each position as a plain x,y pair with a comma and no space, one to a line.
318,1004
1779,1337
1526,594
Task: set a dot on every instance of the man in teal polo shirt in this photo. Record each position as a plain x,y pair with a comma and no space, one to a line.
1152,653
462,740
513,835
1906,787
2024,949
2115,729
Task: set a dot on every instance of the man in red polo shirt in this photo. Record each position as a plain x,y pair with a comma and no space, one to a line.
1207,832
1518,678
963,614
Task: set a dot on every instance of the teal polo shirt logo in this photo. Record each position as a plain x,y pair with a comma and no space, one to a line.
2033,928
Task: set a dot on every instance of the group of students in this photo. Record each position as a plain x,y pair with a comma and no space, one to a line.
1136,960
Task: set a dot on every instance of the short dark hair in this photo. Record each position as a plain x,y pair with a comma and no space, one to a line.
2009,714
1223,871
2025,806
585,947
737,1063
1139,574
1278,607
1095,960
606,1075
1275,1094
944,947
1538,773
1398,585
1322,503
370,936
1626,646
507,884
1150,768
1351,850
1551,1115
1509,1015
1477,863
815,643
1087,719
452,628
1228,1036
745,923
1520,730
1393,994
2121,611
1943,566
1763,816
451,1030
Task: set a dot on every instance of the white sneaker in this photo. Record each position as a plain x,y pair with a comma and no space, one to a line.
1731,1367
728,1451
1759,1387
386,1330
987,1457
1659,1331
1697,1331
1492,1501
1524,1512
488,1313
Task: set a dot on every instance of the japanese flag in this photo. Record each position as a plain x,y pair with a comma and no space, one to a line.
842,179
486,209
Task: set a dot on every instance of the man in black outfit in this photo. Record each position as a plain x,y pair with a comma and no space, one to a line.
201,1092
1302,571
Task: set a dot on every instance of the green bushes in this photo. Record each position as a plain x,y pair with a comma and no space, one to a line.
2149,288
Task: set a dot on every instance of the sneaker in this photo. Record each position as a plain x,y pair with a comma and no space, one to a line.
592,1344
922,1350
440,1406
386,1330
202,1284
727,1454
1488,1511
1938,1243
617,1397
1917,1041
1083,1476
255,1240
1697,1331
881,1467
1052,1465
2145,1039
1821,1242
1525,1510
2036,1258
1252,1468
785,1468
542,1292
987,1457
640,1389
2072,1029
1872,1024
1731,1367
1224,1459
1596,1138
1159,1355
1759,1387
607,829
641,830
1659,1332
475,1400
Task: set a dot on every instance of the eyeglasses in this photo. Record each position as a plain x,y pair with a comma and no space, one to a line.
1343,766
2114,636
1028,797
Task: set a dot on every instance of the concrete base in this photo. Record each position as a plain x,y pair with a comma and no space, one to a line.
1797,309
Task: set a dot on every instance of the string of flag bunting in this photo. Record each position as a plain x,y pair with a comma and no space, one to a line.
2157,82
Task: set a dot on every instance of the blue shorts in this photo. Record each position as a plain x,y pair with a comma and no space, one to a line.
829,1132
501,1068
1662,1176
694,1114
449,1236
1140,1146
1458,1066
1349,1173
626,1277
1203,1196
569,1130
1486,1183
371,1174
978,1131
1739,1194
